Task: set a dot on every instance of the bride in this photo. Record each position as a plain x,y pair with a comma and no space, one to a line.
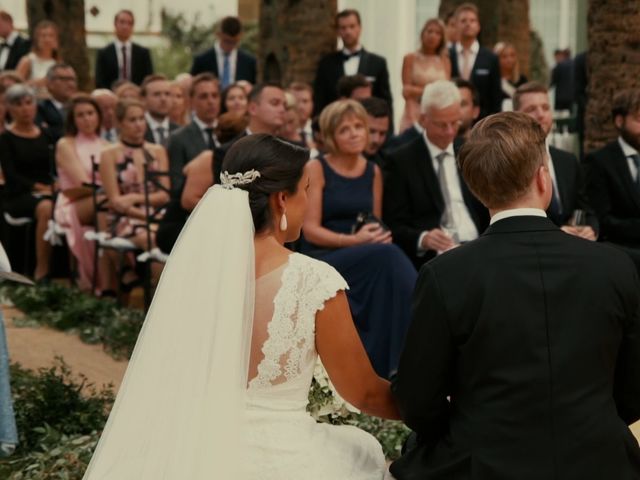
217,385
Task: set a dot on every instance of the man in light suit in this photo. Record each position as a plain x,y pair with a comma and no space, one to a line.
13,46
426,203
569,186
156,95
62,84
225,60
187,142
351,60
522,360
122,59
477,64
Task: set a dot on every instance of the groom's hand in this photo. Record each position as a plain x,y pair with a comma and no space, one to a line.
437,240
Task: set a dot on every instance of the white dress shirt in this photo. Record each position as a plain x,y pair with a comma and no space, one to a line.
233,62
473,53
517,212
460,215
4,53
351,66
154,125
628,151
127,46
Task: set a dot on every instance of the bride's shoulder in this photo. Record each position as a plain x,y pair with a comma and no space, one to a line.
318,275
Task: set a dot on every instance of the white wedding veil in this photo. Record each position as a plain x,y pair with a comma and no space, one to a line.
179,411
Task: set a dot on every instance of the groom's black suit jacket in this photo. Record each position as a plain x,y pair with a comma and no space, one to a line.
535,337
412,200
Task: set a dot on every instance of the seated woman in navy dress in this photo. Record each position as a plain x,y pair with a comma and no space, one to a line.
343,185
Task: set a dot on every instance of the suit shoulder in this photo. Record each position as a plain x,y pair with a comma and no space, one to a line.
211,52
407,151
245,55
604,154
562,155
329,58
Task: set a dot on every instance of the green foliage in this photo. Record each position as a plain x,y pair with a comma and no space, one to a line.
54,398
94,320
58,420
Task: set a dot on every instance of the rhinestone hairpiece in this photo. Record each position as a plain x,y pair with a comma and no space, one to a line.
231,180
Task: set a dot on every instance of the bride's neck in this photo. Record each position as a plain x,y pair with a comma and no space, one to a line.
269,253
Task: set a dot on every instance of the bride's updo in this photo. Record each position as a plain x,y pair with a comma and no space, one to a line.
279,163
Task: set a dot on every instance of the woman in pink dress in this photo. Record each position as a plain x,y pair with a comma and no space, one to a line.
426,65
74,209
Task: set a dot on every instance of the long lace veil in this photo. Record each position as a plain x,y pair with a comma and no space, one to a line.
179,411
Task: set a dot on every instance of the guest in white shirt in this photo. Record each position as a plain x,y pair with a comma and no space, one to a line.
225,60
122,59
156,96
426,202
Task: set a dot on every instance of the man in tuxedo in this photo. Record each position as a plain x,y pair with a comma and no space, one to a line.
122,59
352,59
187,142
13,46
62,84
225,60
156,95
569,187
379,123
613,181
477,64
107,102
425,203
508,372
411,133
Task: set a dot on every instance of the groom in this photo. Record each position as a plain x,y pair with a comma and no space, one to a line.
523,358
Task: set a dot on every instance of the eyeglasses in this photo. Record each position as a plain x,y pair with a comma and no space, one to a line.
444,125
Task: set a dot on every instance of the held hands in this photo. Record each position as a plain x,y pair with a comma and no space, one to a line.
585,232
372,233
123,203
42,188
437,240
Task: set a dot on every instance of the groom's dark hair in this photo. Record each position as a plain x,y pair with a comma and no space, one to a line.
279,163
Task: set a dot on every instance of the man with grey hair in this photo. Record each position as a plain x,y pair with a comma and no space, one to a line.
62,84
107,101
426,202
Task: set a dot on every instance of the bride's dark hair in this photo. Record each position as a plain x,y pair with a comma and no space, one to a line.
280,164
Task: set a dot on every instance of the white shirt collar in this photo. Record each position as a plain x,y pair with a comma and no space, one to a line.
475,47
57,104
518,212
154,124
434,151
201,124
222,53
11,38
627,149
120,44
418,127
346,51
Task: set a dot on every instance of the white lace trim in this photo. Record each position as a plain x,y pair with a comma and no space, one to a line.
306,285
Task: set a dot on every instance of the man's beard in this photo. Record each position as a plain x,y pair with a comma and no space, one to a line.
633,140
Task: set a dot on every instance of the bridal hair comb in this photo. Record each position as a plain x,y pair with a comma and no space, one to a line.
231,180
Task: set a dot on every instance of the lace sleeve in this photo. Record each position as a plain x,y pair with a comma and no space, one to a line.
328,283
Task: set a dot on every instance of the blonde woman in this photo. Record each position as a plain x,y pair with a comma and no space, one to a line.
511,78
343,228
429,63
44,54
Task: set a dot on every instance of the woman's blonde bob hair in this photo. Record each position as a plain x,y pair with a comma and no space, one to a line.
333,115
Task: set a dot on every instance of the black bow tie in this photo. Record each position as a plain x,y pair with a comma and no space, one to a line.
4,45
346,56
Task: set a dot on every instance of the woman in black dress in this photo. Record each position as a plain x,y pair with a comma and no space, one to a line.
26,159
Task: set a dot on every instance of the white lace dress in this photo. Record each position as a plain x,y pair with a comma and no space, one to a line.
285,442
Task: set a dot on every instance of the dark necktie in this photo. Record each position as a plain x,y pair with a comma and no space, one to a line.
210,141
636,161
125,70
162,137
346,56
